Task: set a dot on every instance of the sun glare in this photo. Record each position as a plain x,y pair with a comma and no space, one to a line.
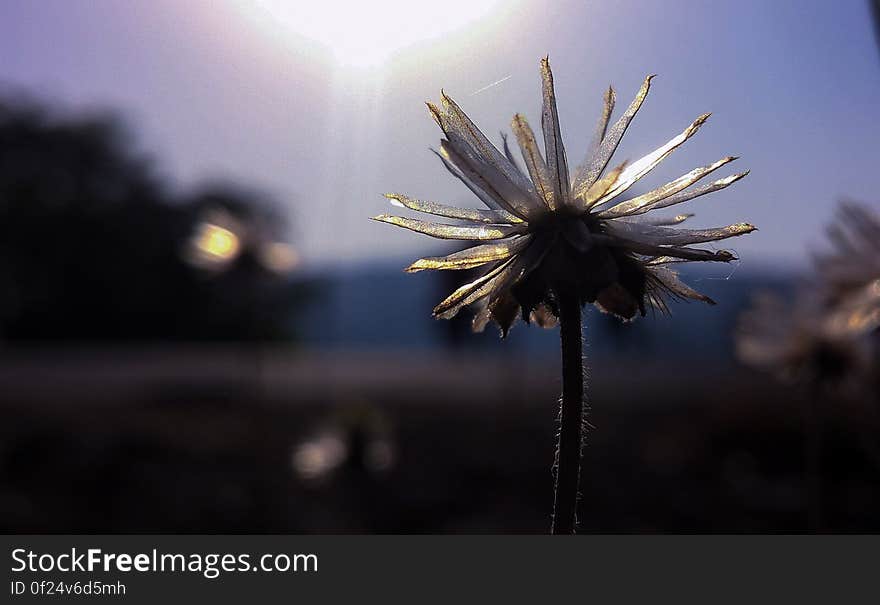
365,34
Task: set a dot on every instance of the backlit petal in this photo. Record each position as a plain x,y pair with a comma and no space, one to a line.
465,214
668,280
472,257
442,231
668,236
645,202
553,147
591,170
535,163
643,166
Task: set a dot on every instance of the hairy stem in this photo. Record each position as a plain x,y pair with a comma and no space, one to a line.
571,438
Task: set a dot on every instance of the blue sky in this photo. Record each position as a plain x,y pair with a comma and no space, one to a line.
793,87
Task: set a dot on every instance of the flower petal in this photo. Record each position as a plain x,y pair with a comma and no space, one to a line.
682,252
668,281
443,231
504,276
482,315
602,126
663,260
667,236
595,165
494,183
453,303
471,142
661,221
689,194
504,311
644,203
472,257
535,163
598,136
484,197
643,166
507,152
607,109
585,200
465,214
553,147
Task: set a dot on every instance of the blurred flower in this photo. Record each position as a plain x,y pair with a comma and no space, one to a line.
545,231
824,334
799,340
850,271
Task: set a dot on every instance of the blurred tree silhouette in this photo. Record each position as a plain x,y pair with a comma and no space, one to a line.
93,246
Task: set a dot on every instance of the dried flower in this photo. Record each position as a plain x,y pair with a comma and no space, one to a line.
823,335
799,341
850,271
544,231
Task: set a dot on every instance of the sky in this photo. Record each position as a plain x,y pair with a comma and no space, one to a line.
257,93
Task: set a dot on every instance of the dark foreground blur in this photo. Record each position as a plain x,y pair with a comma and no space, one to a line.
166,366
266,440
